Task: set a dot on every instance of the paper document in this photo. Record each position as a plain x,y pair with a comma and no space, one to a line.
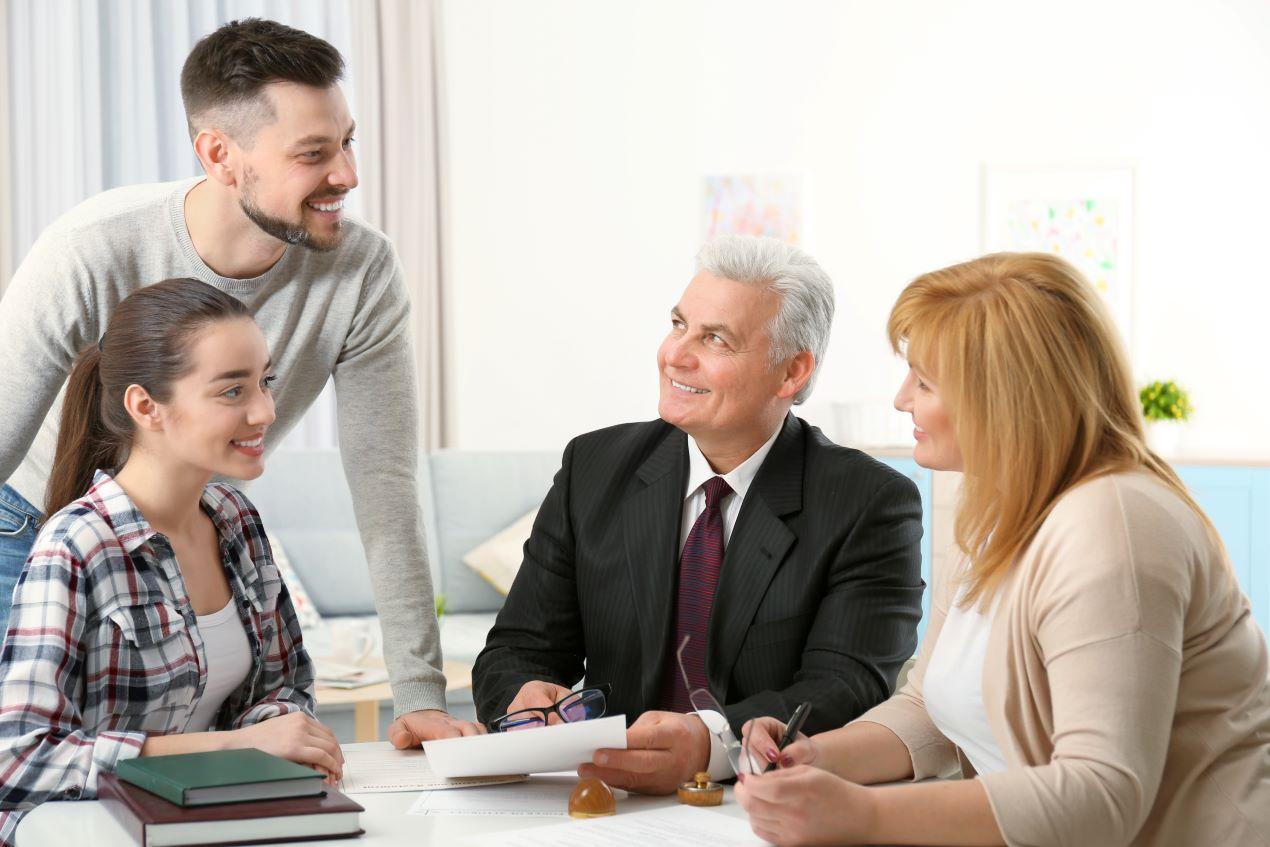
380,768
675,826
548,748
542,795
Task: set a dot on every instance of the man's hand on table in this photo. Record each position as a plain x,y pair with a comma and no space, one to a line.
414,728
664,749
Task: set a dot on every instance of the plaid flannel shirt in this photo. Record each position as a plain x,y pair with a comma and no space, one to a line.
103,648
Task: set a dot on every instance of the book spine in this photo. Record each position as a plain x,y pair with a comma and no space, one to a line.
121,813
168,791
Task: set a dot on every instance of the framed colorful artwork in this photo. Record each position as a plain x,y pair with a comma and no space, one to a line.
1085,216
753,204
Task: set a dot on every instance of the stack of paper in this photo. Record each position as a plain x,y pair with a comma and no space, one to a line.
545,795
379,769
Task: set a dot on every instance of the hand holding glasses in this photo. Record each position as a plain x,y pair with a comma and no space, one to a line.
576,706
743,760
747,758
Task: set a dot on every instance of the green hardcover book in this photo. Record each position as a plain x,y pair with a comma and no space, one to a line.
220,776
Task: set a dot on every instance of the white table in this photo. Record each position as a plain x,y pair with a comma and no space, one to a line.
385,820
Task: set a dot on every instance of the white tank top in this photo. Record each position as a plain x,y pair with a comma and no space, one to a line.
953,685
228,662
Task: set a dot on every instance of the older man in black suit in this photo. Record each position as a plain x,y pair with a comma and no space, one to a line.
789,566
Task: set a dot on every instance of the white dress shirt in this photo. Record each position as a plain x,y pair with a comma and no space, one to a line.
739,480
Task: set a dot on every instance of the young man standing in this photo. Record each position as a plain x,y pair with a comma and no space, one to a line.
273,133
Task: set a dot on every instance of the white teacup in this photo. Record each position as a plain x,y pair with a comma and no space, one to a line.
353,640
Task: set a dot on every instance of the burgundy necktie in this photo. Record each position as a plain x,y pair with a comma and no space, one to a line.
699,567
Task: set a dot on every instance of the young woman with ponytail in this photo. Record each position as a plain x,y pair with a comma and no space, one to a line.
149,618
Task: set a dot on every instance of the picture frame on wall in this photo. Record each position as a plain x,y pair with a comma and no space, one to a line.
762,204
1085,216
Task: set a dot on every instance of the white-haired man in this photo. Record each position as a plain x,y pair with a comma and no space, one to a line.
727,546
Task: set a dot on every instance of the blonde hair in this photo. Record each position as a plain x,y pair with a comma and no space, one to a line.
1037,385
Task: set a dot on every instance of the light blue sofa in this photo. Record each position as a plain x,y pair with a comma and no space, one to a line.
465,496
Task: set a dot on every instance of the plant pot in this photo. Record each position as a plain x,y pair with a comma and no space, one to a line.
1163,437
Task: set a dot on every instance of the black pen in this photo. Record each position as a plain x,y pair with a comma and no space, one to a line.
791,729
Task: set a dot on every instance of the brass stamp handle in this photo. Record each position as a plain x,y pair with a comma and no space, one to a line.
701,791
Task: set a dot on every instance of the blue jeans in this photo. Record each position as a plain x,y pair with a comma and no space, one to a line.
18,520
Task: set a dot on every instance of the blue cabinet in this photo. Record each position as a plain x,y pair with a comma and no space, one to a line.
1237,501
1235,498
925,486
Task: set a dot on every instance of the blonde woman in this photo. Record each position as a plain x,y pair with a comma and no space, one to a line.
1091,666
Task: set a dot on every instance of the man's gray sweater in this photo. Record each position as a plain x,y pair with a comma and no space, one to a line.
342,313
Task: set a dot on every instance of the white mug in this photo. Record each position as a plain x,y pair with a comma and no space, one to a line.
353,640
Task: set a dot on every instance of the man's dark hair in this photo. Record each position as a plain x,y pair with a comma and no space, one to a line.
226,73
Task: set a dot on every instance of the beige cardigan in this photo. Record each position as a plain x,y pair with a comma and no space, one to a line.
1125,681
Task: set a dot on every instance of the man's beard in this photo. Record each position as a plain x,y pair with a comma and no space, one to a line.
290,232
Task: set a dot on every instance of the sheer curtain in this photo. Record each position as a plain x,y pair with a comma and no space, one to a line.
6,185
395,52
94,103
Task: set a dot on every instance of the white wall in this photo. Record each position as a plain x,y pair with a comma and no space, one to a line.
577,133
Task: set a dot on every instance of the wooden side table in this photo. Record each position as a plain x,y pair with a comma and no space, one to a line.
367,699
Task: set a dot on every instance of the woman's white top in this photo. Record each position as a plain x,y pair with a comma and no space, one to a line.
228,662
953,685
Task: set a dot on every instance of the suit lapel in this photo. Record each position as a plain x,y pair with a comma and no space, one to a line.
650,524
759,543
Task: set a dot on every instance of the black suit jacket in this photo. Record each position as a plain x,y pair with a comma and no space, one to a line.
818,599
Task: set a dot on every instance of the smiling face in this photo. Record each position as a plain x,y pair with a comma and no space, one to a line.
937,446
297,167
717,381
217,415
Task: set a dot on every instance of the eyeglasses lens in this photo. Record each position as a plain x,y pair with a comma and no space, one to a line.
583,706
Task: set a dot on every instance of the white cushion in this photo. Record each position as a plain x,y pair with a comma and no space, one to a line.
305,611
498,558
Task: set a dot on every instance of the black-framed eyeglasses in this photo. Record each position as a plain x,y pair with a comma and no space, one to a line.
578,706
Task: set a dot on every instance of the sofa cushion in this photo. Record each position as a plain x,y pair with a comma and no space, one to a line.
464,496
305,610
302,488
497,559
333,565
474,495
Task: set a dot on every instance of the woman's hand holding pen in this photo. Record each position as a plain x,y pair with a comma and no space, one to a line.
802,802
762,736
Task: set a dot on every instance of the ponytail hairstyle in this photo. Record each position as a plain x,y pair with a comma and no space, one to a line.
147,343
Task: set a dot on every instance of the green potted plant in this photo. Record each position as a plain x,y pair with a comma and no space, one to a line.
1165,405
